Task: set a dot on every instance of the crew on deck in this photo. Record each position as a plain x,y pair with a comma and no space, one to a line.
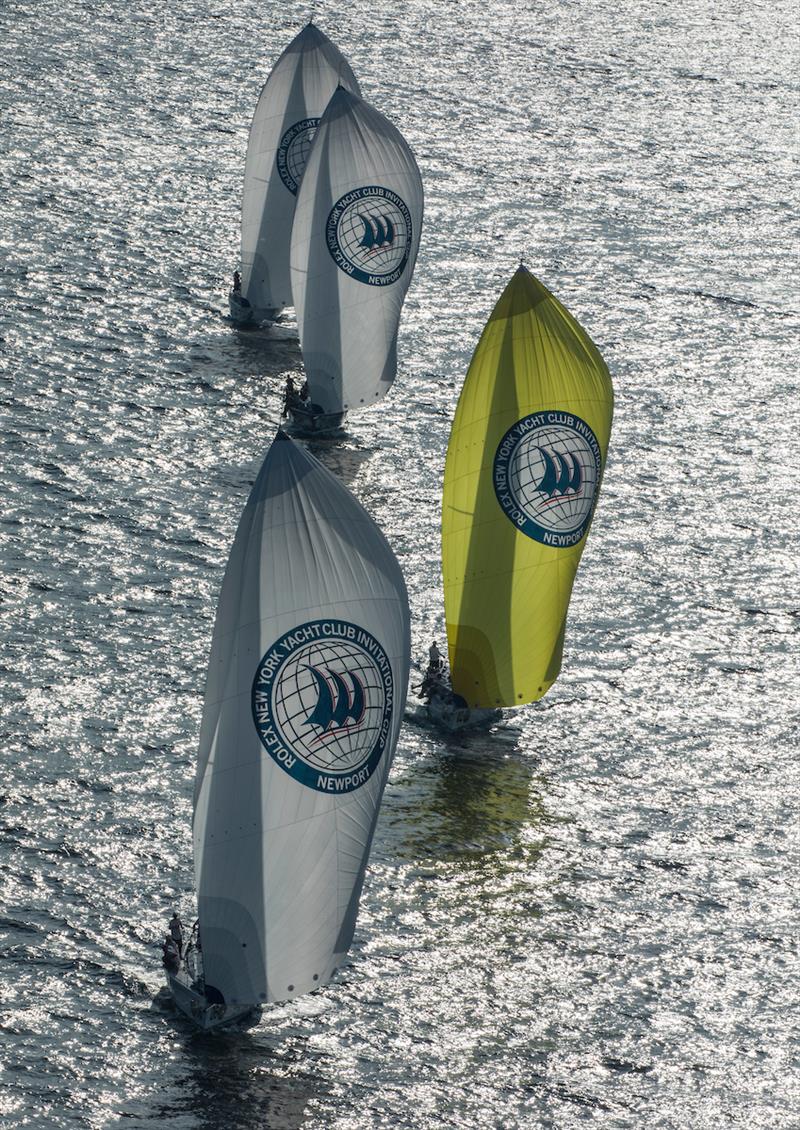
289,395
294,399
176,931
434,681
171,956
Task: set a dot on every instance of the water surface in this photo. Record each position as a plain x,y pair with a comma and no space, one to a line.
590,915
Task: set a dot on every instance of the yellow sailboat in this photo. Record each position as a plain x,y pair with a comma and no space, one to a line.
524,466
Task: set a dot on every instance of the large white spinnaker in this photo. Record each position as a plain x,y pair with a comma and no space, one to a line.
289,108
305,695
354,244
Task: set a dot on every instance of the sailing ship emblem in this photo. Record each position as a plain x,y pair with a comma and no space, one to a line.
377,232
336,705
547,470
369,235
323,697
562,473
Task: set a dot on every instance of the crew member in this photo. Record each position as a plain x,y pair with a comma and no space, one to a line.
176,931
290,394
171,958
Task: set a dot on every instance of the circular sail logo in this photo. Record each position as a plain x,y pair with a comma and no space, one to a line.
369,235
546,473
293,152
322,704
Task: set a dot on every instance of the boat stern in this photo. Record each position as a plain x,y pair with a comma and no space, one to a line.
240,309
194,1005
306,422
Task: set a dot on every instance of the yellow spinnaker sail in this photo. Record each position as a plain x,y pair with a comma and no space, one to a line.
524,464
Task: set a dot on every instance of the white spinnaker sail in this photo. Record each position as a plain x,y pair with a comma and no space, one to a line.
290,105
306,690
354,244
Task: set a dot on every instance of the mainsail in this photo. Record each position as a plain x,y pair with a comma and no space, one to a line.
289,108
306,688
354,244
524,464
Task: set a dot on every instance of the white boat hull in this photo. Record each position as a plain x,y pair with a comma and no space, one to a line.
194,1005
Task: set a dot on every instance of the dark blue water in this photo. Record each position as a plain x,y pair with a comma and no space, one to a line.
587,917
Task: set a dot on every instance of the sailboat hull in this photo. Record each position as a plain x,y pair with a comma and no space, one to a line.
451,714
244,314
305,421
196,1008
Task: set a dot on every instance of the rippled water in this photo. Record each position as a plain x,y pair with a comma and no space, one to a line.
587,917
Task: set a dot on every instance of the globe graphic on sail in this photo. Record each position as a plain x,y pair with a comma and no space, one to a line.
297,154
552,475
328,703
294,151
373,235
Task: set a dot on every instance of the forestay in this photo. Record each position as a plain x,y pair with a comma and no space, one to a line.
354,244
524,464
306,690
291,103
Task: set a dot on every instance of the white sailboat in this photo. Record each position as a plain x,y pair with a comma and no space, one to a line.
286,117
306,687
354,244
